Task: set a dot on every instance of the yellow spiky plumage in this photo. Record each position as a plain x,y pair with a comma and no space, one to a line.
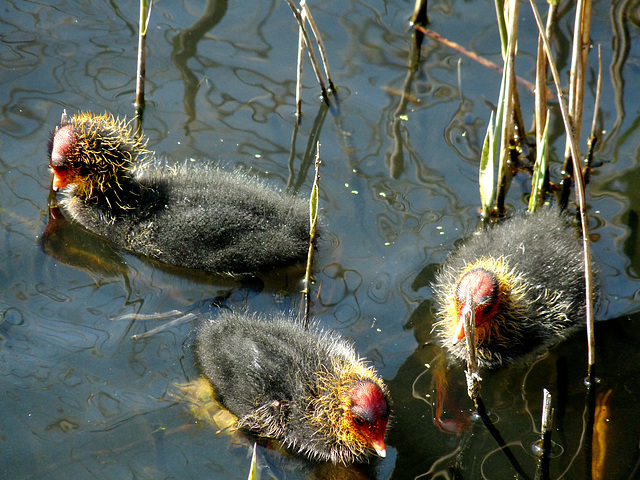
193,215
510,297
331,410
524,279
98,152
303,387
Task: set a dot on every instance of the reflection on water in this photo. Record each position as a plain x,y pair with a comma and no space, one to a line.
185,44
80,398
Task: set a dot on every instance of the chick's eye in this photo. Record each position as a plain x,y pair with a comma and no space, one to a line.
358,421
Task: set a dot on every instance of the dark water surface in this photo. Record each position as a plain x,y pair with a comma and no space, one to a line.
80,399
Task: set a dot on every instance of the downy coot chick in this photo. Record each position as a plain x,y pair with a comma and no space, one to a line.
525,278
305,388
191,216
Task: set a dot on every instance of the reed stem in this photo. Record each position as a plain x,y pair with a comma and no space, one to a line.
505,167
419,15
145,13
580,193
313,221
306,14
542,473
312,55
593,137
300,68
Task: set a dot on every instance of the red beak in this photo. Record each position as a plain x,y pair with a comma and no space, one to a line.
59,180
379,446
459,332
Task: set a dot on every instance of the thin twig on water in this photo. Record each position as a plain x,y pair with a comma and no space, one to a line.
471,55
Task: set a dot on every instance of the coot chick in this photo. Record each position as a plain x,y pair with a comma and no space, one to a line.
191,216
305,388
525,278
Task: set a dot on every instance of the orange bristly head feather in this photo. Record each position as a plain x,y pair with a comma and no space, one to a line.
352,407
495,292
94,152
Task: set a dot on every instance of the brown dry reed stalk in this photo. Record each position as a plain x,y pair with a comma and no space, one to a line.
540,182
579,52
541,76
471,55
505,167
319,42
580,193
312,56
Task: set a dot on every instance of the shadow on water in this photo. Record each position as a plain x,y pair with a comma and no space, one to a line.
513,398
71,244
185,45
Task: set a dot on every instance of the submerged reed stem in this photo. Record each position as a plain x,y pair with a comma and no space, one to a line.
542,472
